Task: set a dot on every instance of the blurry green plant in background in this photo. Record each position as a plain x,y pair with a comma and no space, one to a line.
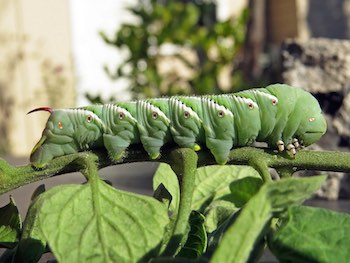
179,47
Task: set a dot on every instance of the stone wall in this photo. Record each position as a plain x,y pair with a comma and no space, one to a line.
322,66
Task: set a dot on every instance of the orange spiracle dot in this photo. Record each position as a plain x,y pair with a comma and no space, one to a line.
60,125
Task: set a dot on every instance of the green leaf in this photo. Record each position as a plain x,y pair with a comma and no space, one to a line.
178,260
217,213
213,182
165,176
214,238
7,256
10,225
197,237
32,243
312,235
95,222
244,189
290,191
38,191
239,240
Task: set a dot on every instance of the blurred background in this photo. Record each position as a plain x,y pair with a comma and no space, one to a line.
68,53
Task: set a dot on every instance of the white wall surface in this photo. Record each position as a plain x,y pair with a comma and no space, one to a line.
90,52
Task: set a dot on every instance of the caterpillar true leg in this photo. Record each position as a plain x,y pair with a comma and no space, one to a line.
291,149
280,145
296,143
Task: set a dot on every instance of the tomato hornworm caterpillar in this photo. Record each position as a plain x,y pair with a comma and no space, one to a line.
284,117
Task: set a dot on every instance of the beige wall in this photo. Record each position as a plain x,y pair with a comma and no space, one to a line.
281,20
35,68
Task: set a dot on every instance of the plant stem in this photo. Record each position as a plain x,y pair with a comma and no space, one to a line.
12,177
262,168
184,164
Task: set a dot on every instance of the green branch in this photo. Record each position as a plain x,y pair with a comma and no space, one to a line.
184,165
12,177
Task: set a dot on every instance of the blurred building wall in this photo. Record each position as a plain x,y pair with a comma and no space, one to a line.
304,19
35,68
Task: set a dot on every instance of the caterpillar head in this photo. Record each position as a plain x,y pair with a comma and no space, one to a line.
67,131
312,127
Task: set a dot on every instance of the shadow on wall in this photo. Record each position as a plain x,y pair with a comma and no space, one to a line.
328,19
6,104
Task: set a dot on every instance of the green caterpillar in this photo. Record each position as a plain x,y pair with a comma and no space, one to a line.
282,116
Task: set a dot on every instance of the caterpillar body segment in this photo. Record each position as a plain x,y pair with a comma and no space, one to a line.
284,117
120,128
267,110
153,125
218,123
186,125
